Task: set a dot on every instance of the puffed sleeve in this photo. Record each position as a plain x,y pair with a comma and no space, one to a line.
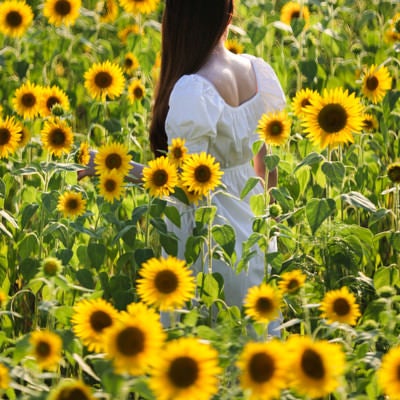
193,113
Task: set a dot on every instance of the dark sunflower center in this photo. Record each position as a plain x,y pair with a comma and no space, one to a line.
100,320
160,177
130,341
295,14
128,62
138,92
372,83
110,185
341,307
261,367
276,128
293,284
264,305
57,137
177,153
43,349
202,174
28,100
72,204
394,173
368,124
72,394
103,80
62,7
113,161
5,136
398,373
14,19
183,372
332,118
166,282
312,365
51,101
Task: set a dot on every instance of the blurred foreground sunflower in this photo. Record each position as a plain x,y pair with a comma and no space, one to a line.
46,348
61,12
139,6
71,390
388,373
4,377
10,133
291,281
292,11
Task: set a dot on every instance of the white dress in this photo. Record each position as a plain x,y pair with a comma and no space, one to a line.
198,114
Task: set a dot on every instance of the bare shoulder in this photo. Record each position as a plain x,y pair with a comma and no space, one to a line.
233,76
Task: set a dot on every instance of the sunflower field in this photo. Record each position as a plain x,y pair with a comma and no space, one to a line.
94,301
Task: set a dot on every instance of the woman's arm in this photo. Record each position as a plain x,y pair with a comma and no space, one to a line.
259,168
135,174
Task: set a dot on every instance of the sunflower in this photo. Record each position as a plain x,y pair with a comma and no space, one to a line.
139,6
129,30
263,369
83,154
393,172
90,319
376,81
3,300
340,306
50,96
111,185
234,46
15,18
292,11
4,377
108,10
71,204
291,281
24,135
274,127
134,343
46,348
166,283
262,303
370,123
160,177
177,151
57,136
331,119
201,173
9,136
388,373
130,63
104,80
393,33
192,197
51,266
187,368
61,12
315,367
303,99
113,156
136,91
71,390
26,100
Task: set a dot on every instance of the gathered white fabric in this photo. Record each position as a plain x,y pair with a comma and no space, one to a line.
198,114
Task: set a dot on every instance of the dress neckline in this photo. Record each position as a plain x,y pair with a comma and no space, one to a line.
243,103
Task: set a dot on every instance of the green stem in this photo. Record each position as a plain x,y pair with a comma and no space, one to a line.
209,238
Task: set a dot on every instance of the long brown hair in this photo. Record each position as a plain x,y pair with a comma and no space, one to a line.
190,30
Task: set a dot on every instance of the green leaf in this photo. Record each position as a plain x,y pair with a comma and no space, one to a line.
256,31
205,214
250,185
85,278
29,267
386,276
271,161
318,210
173,215
194,245
2,188
356,199
143,255
169,242
27,213
311,159
28,246
127,234
159,224
209,288
9,218
96,253
334,172
225,236
309,69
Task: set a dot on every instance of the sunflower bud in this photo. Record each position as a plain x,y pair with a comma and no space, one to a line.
51,266
393,172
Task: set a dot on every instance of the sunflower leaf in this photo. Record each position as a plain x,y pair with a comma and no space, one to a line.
318,210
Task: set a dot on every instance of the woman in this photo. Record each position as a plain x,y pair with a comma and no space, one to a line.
214,99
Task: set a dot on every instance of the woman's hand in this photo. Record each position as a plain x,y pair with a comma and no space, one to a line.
90,168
